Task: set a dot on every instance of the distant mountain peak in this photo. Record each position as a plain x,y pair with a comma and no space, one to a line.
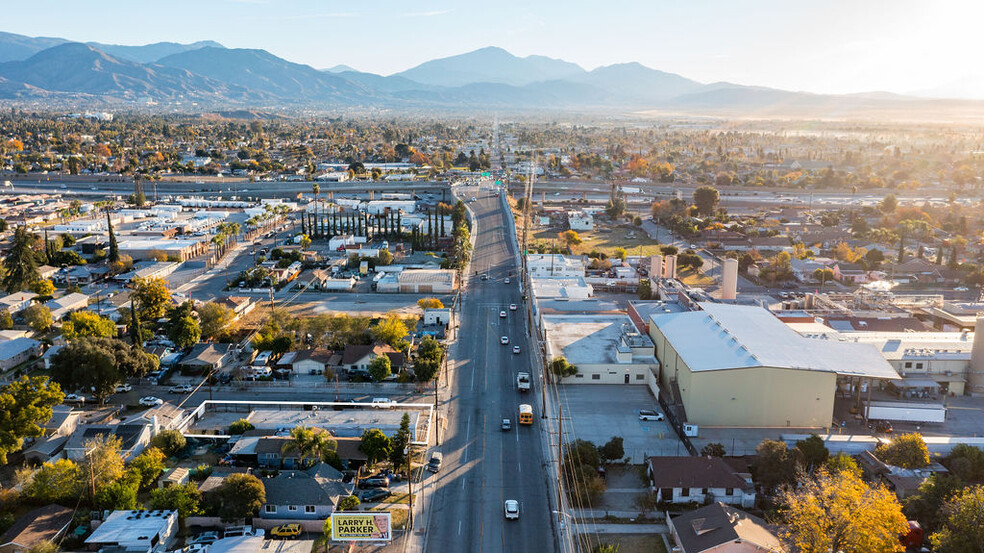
493,65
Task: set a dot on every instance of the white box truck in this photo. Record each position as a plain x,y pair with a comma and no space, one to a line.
523,382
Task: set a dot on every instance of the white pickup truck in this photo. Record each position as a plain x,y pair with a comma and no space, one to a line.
523,382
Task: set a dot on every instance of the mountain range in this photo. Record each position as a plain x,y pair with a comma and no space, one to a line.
45,69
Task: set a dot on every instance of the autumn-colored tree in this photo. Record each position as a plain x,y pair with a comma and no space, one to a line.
430,303
840,512
907,451
570,238
102,150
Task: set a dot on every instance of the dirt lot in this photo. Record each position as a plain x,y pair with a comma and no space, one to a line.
627,543
634,240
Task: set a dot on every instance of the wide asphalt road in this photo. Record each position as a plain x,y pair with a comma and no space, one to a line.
484,466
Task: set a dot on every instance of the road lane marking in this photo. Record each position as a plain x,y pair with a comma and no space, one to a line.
459,527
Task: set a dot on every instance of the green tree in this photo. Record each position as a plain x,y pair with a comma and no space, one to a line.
6,321
184,331
105,467
645,289
99,363
562,368
967,462
776,464
239,427
25,405
38,317
20,265
87,323
380,368
706,199
114,247
376,445
239,496
840,512
401,441
907,451
118,495
889,204
169,442
814,452
713,450
349,503
184,498
147,467
927,505
962,524
430,355
612,450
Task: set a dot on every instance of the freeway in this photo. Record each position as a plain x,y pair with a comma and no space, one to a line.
484,466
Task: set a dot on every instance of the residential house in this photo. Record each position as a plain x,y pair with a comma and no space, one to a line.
850,272
721,528
16,351
697,480
209,357
240,305
17,302
304,495
314,361
166,416
135,531
61,307
580,220
359,357
44,524
47,271
76,274
134,437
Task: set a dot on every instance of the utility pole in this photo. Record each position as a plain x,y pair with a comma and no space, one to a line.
409,455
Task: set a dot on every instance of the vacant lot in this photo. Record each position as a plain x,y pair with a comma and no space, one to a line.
634,240
627,543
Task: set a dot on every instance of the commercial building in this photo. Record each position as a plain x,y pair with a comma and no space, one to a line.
606,349
561,287
135,531
736,365
181,250
554,265
421,281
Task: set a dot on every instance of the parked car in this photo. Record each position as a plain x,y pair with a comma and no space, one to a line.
121,388
205,538
648,415
74,398
291,531
374,482
151,401
180,389
511,508
506,425
504,340
383,403
375,495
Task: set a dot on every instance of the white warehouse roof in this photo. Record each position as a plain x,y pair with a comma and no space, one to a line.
724,336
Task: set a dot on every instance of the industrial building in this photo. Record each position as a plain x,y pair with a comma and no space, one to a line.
181,250
423,281
554,265
736,365
606,349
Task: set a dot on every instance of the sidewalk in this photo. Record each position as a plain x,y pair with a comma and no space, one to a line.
598,514
621,528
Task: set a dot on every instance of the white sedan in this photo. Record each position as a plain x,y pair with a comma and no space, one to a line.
502,314
151,401
122,388
512,306
511,508
504,340
515,349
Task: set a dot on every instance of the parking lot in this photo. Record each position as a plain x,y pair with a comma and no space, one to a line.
598,413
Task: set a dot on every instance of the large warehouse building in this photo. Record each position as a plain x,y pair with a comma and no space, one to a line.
736,365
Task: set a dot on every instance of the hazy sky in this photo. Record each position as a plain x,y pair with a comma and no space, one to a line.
820,45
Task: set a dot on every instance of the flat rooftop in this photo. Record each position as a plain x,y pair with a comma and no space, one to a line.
586,339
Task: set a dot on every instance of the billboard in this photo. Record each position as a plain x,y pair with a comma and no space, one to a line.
367,526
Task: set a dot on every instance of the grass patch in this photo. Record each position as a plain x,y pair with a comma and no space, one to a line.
399,517
634,240
695,279
627,543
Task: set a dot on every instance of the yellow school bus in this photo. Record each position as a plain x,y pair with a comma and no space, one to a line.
525,414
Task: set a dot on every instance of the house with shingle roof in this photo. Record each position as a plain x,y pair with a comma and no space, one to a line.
697,480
